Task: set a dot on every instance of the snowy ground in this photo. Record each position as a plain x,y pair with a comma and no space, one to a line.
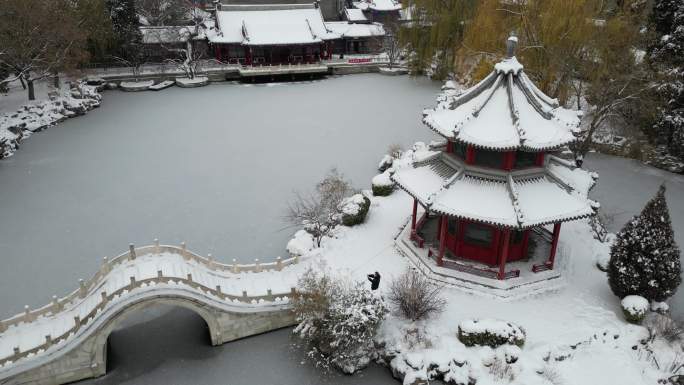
584,314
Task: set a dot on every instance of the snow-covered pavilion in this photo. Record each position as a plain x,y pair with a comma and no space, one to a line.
495,193
270,34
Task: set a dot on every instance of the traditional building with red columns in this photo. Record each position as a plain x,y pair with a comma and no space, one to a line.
494,196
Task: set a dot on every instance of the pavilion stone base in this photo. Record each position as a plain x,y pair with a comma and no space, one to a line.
528,283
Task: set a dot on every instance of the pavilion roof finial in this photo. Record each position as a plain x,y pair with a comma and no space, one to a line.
511,44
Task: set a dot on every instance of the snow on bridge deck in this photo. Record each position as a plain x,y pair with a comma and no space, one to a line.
229,288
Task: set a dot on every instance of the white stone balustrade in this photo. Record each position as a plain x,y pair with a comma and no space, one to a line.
77,302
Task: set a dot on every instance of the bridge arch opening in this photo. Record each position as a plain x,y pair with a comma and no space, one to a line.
158,329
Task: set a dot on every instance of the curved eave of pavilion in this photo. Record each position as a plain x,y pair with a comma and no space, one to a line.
504,112
501,201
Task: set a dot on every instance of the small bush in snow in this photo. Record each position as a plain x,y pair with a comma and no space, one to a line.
385,163
635,308
415,296
662,326
318,212
644,259
353,210
490,332
338,321
382,184
395,150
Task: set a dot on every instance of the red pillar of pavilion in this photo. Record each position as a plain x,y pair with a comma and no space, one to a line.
413,218
554,244
442,239
504,254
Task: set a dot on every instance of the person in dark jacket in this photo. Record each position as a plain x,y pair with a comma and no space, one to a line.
374,280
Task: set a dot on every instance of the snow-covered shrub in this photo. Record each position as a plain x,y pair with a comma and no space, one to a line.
318,212
644,259
382,184
353,210
490,332
634,307
662,326
415,297
338,320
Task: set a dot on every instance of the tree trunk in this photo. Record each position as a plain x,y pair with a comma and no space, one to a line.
21,80
31,90
55,81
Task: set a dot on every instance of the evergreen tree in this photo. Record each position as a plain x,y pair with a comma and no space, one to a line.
644,260
666,54
125,27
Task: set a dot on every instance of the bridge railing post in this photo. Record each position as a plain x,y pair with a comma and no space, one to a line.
2,327
77,321
257,265
132,280
159,275
81,288
279,263
105,265
210,260
190,277
236,268
103,294
131,251
244,295
55,305
184,251
156,245
48,340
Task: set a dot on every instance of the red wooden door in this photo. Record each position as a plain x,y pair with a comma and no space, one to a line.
480,243
518,246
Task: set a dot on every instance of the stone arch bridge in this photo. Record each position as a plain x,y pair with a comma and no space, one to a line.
66,340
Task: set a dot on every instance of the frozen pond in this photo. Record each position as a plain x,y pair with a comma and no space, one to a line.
213,166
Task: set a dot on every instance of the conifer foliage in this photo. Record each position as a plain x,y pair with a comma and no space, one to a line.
644,260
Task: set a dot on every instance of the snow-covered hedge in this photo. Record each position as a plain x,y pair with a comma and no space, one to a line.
382,184
634,308
490,332
354,209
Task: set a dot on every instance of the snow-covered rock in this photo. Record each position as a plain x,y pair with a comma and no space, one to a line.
385,163
634,307
660,307
301,243
197,81
490,332
37,116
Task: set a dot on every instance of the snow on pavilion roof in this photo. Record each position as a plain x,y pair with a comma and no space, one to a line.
377,5
505,111
288,24
553,194
346,29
